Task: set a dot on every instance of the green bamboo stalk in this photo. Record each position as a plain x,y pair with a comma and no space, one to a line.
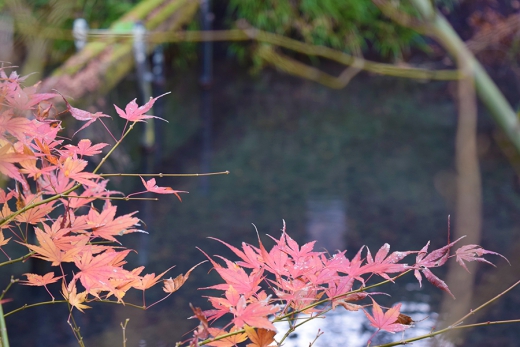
102,64
487,90
3,329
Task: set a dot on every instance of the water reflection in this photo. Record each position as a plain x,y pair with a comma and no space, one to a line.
342,328
327,223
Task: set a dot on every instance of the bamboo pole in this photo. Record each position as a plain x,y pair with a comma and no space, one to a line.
96,69
488,92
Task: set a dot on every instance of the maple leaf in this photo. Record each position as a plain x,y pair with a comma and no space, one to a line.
84,148
149,280
381,264
36,214
16,126
75,299
133,113
436,258
297,293
97,270
49,251
202,331
152,187
26,98
172,285
73,168
236,276
104,224
250,256
474,253
55,183
82,115
3,240
385,321
8,156
223,305
232,340
259,337
38,280
254,314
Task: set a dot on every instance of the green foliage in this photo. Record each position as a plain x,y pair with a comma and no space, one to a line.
350,25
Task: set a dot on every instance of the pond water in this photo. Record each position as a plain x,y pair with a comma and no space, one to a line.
369,164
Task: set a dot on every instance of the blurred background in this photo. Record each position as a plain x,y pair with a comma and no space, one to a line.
358,122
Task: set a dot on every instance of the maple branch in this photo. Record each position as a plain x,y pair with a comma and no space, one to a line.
125,198
13,281
120,303
114,148
432,334
123,326
454,326
26,306
165,175
22,258
471,312
75,328
293,328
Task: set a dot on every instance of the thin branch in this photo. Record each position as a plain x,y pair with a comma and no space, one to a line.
12,261
165,175
123,326
11,282
125,198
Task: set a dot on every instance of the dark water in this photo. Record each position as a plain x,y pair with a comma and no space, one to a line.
369,164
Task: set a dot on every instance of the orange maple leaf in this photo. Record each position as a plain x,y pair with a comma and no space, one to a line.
3,240
232,340
75,299
172,285
259,337
149,280
50,252
38,280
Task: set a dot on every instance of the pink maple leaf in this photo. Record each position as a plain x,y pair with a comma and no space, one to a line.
84,147
385,321
382,265
436,258
474,253
134,113
73,168
83,115
254,314
152,187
